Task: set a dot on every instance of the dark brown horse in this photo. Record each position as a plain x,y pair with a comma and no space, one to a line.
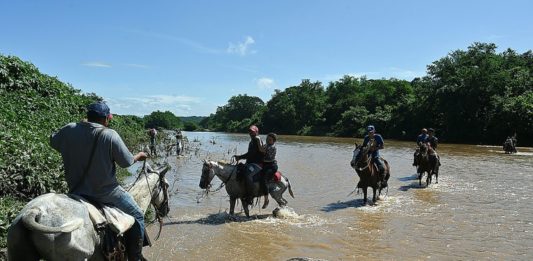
509,146
428,162
368,172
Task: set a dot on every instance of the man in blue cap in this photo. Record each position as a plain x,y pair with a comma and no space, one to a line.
90,151
375,141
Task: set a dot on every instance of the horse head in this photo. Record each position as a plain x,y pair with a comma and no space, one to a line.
360,154
208,173
160,196
423,149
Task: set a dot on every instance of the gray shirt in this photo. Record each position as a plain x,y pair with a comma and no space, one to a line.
74,141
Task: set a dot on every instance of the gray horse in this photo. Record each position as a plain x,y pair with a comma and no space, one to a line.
228,174
57,227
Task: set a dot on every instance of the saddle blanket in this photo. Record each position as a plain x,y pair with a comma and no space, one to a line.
118,221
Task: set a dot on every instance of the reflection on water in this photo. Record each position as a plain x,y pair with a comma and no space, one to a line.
479,210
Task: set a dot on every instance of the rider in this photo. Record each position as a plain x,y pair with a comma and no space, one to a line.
431,139
255,155
419,140
376,142
513,138
152,132
433,142
90,151
270,164
179,141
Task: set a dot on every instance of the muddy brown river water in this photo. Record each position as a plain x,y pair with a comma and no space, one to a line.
480,210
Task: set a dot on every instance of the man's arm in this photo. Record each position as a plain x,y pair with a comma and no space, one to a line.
120,153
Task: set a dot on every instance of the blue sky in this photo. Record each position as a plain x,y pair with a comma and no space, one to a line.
191,56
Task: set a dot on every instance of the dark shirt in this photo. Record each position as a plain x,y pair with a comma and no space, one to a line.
421,138
433,141
377,138
253,155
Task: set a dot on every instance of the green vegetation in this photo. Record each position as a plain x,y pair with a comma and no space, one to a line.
33,106
165,120
470,96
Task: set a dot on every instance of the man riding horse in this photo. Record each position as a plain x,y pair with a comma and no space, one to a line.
90,151
375,141
420,139
254,155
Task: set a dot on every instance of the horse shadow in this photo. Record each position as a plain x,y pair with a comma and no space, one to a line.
218,219
355,203
413,185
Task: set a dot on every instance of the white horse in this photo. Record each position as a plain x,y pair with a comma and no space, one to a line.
57,227
227,173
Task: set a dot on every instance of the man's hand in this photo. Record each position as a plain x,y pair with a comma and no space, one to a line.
140,156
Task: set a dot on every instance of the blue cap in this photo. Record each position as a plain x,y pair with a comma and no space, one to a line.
98,109
370,128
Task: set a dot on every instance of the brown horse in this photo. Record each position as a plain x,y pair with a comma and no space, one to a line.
428,162
368,172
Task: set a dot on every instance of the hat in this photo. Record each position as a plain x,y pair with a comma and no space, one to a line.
99,109
254,129
370,128
431,130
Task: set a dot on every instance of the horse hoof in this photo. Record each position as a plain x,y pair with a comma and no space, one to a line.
275,212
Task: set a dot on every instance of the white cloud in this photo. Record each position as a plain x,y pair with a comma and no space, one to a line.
179,105
265,83
242,48
97,64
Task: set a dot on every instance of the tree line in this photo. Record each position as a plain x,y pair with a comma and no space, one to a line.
476,96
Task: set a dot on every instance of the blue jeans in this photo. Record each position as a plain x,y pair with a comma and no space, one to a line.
125,202
377,160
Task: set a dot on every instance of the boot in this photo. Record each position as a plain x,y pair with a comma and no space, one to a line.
134,249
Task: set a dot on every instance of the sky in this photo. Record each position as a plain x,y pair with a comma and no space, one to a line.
189,57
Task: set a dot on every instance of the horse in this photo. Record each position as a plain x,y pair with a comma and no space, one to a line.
368,172
227,173
508,146
57,227
428,162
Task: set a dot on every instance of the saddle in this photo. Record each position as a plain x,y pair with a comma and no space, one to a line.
104,215
110,223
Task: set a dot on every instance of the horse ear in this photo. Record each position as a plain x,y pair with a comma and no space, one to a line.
356,146
164,171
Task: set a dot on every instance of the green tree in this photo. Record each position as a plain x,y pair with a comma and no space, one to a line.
296,110
165,120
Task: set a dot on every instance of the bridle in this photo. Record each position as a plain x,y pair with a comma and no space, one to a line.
163,208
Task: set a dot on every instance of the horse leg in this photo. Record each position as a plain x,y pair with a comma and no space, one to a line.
245,206
428,179
20,245
232,201
364,195
420,178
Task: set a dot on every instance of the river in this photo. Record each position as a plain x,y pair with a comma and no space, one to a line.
480,209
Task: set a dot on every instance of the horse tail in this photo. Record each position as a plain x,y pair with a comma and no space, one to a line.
290,188
29,220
